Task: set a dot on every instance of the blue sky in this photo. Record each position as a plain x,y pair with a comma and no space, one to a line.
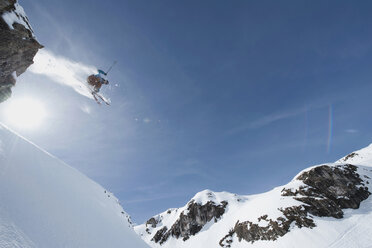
225,95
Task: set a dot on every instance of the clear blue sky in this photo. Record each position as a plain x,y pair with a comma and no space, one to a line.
226,95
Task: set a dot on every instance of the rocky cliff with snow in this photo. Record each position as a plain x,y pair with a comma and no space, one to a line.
18,45
328,205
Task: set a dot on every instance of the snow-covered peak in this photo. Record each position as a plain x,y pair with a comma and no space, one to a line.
326,205
207,195
360,157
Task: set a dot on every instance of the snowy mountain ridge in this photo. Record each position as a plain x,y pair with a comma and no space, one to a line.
327,205
360,157
46,203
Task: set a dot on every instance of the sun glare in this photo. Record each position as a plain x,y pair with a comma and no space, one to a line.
25,113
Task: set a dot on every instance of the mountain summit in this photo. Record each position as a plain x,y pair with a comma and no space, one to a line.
326,205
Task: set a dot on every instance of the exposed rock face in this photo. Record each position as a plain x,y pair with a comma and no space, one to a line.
331,189
269,229
192,221
349,156
161,235
326,191
18,45
152,222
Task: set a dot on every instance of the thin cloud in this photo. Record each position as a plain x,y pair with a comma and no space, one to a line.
351,130
63,71
266,120
271,118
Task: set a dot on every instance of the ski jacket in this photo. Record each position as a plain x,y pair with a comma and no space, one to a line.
96,81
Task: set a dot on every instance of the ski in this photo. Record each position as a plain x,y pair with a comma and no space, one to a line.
95,95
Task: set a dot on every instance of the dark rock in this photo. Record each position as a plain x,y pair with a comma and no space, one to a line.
298,215
160,235
288,192
17,50
227,240
351,155
331,189
273,229
7,5
192,222
327,190
263,217
152,222
197,216
322,208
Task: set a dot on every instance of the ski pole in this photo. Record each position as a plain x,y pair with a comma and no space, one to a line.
111,67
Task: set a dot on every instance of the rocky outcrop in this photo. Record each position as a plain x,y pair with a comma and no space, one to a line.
191,221
18,45
161,235
152,222
349,156
326,191
268,229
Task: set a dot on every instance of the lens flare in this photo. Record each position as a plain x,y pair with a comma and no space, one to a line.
25,113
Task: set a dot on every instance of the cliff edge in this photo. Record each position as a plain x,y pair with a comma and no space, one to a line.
18,45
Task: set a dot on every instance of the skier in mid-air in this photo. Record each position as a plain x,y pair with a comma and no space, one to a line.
96,81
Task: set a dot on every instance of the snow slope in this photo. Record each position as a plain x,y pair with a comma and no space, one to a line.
352,231
46,203
360,157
